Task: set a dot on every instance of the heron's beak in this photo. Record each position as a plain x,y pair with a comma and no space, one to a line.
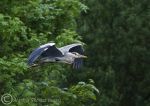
82,56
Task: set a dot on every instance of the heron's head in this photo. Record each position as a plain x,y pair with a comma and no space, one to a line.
77,55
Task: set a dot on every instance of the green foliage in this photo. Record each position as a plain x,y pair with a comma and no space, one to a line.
24,25
117,34
68,36
11,30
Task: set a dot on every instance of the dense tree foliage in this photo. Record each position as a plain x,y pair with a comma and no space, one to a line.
117,33
24,25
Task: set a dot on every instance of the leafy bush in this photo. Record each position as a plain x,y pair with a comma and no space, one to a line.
24,25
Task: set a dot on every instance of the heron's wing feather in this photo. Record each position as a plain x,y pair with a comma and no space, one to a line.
78,62
52,51
38,51
65,49
77,47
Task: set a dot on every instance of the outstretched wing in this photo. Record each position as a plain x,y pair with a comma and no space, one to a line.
52,51
78,62
65,49
48,49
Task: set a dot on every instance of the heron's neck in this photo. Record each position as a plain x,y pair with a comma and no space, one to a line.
69,54
68,58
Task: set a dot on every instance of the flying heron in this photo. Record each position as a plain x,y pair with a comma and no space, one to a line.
70,54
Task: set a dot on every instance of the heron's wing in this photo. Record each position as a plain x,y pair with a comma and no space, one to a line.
65,49
78,62
42,51
52,51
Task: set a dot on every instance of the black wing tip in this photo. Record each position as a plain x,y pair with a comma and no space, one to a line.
78,63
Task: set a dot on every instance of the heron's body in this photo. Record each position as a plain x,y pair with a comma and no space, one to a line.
62,59
70,54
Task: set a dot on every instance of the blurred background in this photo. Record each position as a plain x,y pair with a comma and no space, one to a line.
116,37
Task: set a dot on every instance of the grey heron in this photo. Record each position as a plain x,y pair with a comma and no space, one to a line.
70,54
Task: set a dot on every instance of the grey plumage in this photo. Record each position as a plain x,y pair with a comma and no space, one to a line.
70,54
